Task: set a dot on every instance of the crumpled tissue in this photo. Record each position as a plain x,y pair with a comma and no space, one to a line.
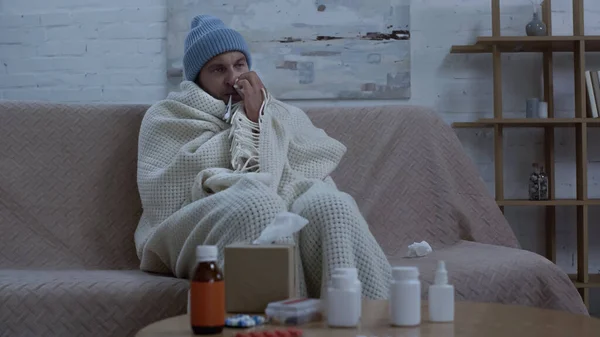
284,224
419,249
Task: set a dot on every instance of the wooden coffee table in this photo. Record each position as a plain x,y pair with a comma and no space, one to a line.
472,319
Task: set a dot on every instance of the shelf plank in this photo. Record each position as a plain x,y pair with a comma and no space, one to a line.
593,282
528,44
470,49
521,122
525,202
528,122
555,202
592,43
593,122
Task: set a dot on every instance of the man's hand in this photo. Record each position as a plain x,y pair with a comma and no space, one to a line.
249,87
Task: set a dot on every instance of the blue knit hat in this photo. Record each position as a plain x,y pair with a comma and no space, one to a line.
208,38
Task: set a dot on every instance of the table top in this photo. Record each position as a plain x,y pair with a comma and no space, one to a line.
471,319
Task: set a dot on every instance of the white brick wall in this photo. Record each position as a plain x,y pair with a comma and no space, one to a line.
83,51
114,51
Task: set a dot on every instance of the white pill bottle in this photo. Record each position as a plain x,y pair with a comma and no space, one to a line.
405,297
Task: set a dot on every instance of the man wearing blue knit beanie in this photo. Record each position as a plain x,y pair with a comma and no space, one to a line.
221,160
216,57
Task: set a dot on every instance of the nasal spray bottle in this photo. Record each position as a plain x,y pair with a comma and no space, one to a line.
441,296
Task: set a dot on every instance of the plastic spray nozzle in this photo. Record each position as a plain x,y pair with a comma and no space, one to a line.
441,274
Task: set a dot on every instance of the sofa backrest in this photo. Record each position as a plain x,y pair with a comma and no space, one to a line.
411,178
68,192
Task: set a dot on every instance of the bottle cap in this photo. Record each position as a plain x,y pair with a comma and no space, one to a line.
441,275
341,281
405,273
206,253
350,271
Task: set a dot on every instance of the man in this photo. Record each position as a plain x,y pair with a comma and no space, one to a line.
218,61
220,159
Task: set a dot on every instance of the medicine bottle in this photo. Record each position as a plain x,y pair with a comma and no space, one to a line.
207,293
405,297
441,296
342,309
353,274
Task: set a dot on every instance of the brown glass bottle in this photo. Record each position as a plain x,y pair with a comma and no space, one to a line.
207,293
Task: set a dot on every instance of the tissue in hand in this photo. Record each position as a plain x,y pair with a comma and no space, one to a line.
418,249
284,224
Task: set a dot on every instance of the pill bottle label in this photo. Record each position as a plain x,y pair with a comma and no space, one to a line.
207,303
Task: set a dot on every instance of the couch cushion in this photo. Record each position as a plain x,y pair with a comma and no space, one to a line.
488,273
85,302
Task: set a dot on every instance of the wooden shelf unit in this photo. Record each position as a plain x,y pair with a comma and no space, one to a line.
578,44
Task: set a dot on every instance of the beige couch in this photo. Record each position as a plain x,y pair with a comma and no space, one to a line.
69,207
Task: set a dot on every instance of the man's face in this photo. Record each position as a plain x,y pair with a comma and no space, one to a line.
218,75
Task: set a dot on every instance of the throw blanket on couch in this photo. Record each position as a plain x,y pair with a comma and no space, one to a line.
205,181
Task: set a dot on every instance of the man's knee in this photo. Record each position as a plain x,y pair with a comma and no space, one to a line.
326,205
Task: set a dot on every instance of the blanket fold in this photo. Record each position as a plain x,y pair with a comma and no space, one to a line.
191,193
245,138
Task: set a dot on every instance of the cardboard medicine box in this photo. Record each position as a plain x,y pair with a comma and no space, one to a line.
256,275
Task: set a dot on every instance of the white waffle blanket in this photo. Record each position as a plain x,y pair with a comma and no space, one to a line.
203,180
